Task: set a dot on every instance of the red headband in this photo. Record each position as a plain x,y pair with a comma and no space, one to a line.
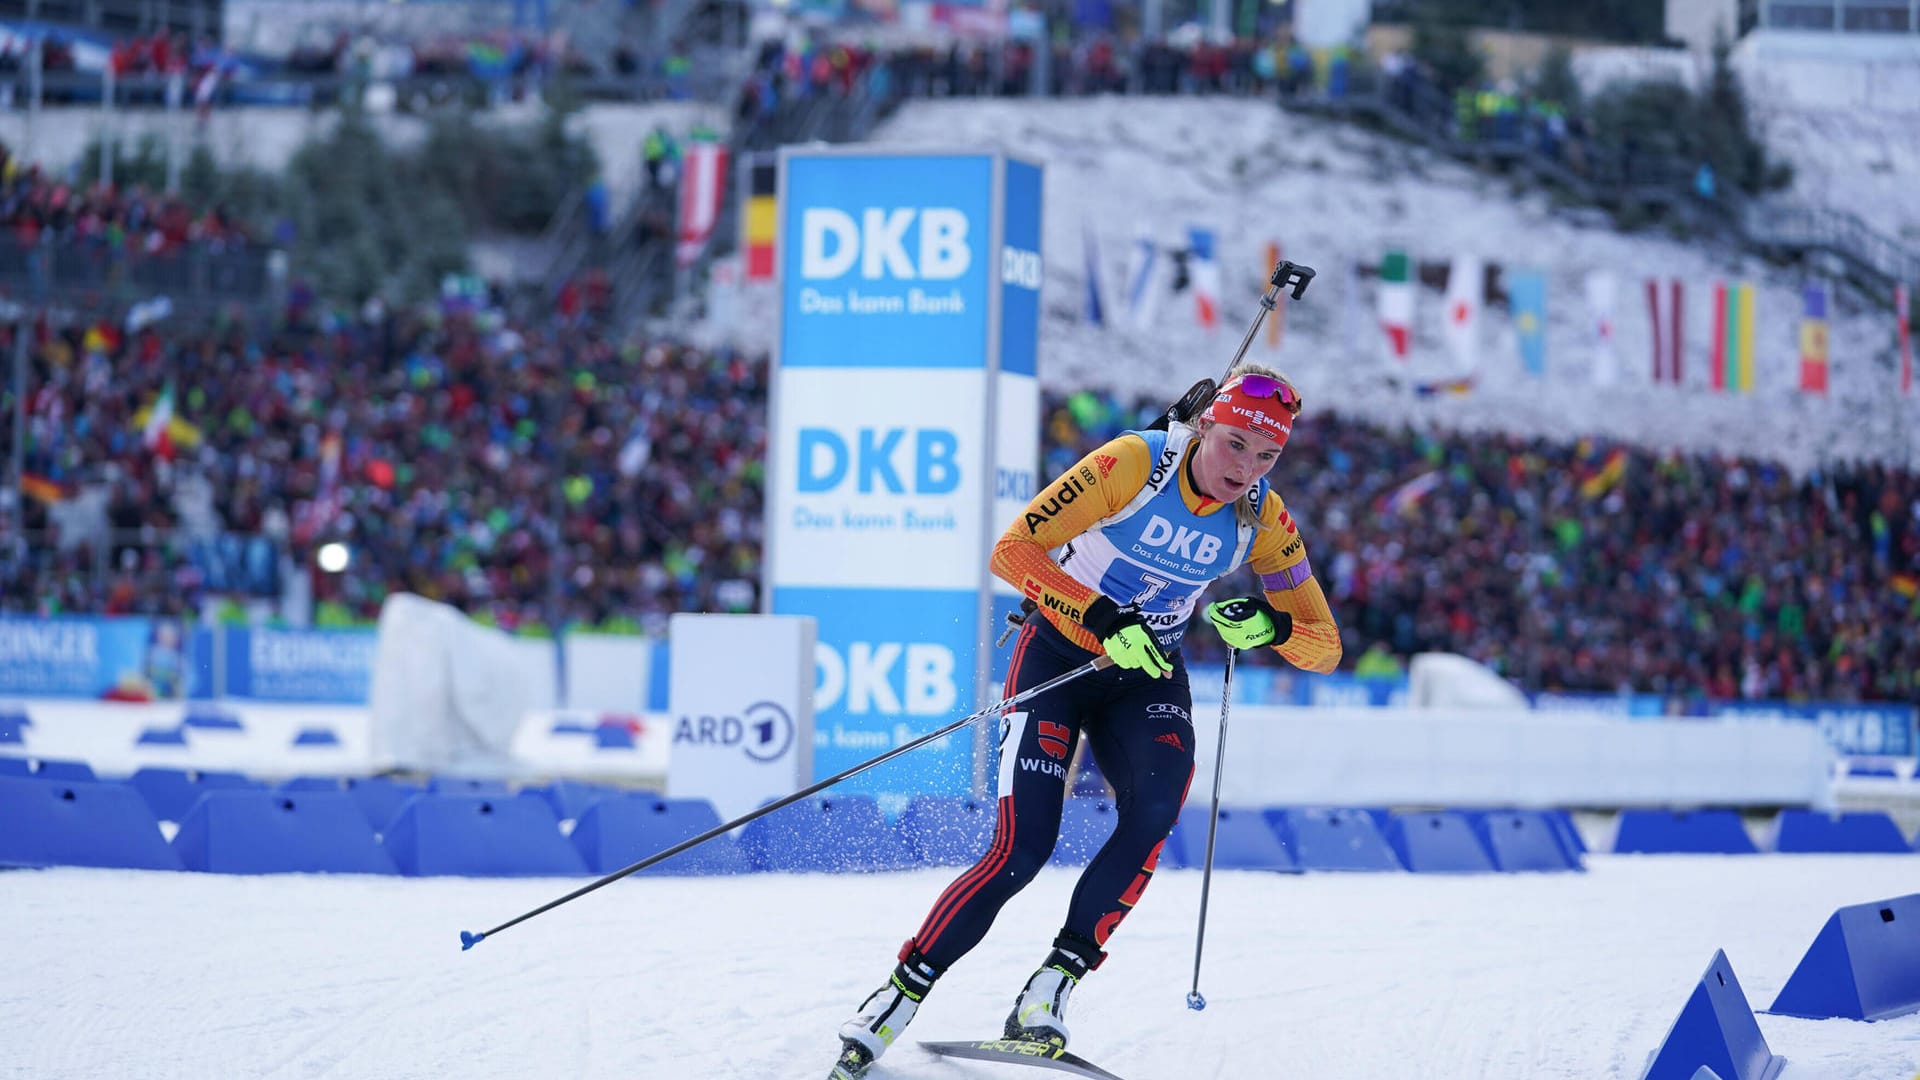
1264,416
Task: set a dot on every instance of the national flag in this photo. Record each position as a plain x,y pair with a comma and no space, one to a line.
1527,296
1603,291
1276,320
1446,387
42,488
1608,475
1096,310
1205,268
154,433
759,215
1408,495
1396,302
1906,585
1903,315
162,430
1813,340
1733,337
204,90
701,182
1664,308
1466,280
1143,295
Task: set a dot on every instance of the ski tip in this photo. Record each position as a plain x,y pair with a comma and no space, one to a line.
1195,1001
469,938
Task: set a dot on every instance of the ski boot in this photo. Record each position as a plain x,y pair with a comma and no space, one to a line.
884,1015
1039,1013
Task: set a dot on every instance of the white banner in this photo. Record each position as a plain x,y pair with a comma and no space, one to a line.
741,704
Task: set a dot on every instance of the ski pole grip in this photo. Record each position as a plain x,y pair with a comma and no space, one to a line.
1286,273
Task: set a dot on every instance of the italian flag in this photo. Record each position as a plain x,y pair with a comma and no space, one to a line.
1396,302
158,434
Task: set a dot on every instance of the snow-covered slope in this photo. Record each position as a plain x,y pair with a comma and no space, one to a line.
1321,976
1333,195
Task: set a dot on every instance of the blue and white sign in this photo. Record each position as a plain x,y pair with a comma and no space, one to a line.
333,667
740,708
905,435
885,261
122,659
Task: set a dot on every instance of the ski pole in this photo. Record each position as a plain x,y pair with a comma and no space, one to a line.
1194,999
469,938
1200,394
1285,273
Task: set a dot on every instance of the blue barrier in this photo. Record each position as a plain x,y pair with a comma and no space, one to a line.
621,830
170,793
1715,1030
1085,825
1673,831
833,834
1523,840
312,783
570,798
453,785
1245,840
479,836
1333,839
1565,828
278,832
79,823
947,830
1864,965
1437,842
62,770
1797,830
380,799
15,766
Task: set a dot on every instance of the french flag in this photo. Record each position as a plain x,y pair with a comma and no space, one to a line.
1205,268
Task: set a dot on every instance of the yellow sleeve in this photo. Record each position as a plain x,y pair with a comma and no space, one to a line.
1279,556
1099,484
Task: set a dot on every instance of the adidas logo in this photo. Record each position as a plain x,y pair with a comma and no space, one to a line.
1171,740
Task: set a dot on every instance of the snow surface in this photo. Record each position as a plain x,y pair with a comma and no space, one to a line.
1322,976
1332,194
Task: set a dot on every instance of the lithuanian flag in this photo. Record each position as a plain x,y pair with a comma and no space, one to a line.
1733,337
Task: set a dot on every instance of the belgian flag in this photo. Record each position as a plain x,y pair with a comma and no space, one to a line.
759,214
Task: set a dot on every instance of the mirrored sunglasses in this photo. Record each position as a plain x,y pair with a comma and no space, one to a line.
1266,387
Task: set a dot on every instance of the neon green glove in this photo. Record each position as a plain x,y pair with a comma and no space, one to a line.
1248,622
1125,636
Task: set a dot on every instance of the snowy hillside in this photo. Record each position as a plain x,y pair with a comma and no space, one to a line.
1333,195
1865,163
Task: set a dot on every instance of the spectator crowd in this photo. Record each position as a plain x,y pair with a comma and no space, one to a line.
37,207
534,474
491,466
1572,566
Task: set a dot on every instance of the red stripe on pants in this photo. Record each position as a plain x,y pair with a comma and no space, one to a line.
966,885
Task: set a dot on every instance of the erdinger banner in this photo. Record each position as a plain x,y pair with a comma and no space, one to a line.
905,434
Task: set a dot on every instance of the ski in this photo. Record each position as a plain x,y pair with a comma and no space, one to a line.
1021,1052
